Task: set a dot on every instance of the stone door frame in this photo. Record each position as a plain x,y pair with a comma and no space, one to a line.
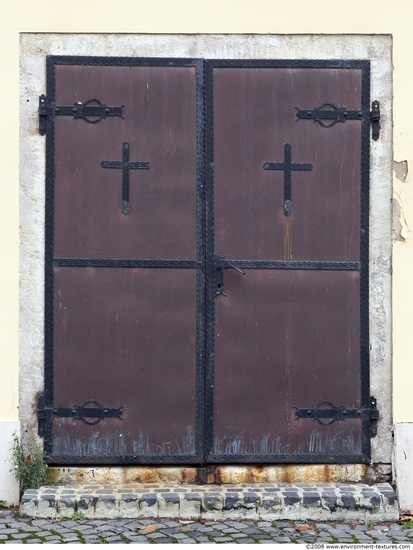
33,51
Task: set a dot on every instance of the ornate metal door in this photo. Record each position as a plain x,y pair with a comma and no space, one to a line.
206,280
288,261
124,275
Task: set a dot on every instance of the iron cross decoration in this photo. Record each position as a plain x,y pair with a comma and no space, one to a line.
125,165
287,166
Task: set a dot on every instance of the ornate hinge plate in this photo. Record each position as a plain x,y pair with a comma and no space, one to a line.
90,412
326,413
327,115
91,111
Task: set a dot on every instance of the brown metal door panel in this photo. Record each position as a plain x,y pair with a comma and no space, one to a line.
285,339
126,337
254,118
160,126
206,262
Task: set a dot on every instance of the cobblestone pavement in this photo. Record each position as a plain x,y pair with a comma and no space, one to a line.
14,529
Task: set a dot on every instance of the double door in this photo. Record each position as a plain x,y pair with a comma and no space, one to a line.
206,261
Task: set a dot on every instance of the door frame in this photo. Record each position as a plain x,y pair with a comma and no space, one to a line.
33,50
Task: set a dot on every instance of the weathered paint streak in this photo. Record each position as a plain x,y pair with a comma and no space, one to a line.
99,443
319,441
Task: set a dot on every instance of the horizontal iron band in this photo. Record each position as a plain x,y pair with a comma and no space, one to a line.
124,459
320,458
80,111
338,413
275,264
329,114
79,411
123,262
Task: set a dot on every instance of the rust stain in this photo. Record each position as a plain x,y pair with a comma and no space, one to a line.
287,241
219,475
214,476
148,476
250,476
286,475
188,475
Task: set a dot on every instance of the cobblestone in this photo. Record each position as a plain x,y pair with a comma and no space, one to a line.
16,530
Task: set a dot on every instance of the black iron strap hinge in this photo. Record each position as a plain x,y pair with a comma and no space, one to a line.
328,114
90,412
326,413
91,111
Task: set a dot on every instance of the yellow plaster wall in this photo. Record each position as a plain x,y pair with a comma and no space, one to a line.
196,16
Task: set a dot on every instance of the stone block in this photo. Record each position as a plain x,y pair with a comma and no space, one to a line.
212,505
47,506
148,506
66,505
107,506
129,506
191,505
29,503
86,504
168,505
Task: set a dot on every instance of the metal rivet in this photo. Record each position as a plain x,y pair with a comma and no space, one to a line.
74,110
309,412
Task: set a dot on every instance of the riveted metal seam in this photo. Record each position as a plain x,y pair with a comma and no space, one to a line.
200,297
209,258
364,258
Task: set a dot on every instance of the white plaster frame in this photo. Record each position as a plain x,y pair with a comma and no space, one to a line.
33,51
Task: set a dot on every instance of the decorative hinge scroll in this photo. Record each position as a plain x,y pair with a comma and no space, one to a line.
326,413
90,412
91,111
327,115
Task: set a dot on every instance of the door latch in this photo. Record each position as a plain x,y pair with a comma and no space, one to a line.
221,263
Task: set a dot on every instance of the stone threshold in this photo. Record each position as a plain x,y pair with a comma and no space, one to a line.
299,501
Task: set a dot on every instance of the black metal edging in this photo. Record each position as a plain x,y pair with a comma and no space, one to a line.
200,256
210,290
364,258
126,262
49,254
289,459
